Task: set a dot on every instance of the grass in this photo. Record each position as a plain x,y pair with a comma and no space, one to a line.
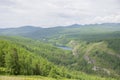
13,77
25,78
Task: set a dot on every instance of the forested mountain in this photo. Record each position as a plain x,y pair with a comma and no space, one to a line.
75,31
19,31
102,58
95,51
21,56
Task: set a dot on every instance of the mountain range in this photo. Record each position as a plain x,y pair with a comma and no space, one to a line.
74,30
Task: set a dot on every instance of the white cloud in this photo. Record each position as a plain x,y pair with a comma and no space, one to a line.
104,19
57,12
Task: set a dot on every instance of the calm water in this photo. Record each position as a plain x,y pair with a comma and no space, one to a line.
65,47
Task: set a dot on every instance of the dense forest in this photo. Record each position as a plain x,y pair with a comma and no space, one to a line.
17,59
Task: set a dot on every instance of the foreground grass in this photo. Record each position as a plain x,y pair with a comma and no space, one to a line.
25,78
9,77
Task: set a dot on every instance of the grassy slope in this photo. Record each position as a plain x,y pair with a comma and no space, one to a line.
78,75
48,78
82,76
25,78
97,56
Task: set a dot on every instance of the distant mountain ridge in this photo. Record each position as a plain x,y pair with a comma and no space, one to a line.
73,30
19,30
72,25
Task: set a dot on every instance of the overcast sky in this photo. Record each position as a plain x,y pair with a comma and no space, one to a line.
48,13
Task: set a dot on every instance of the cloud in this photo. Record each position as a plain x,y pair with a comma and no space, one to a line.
104,19
49,13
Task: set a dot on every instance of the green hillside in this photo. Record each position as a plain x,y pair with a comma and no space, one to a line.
22,56
100,58
89,32
17,58
94,51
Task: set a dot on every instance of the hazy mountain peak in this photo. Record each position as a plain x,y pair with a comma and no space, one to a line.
28,27
75,25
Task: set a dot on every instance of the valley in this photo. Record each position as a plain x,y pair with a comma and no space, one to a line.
82,52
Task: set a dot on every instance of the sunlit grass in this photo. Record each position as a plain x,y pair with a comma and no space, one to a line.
25,78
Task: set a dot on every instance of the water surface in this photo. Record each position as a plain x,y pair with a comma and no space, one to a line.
65,47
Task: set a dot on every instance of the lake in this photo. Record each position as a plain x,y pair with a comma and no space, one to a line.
65,47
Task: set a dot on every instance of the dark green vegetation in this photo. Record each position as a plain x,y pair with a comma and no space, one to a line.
18,58
99,58
95,51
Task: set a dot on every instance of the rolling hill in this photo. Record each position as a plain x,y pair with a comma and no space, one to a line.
95,51
84,32
22,56
102,58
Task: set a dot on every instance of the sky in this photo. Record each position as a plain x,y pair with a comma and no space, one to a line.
50,13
